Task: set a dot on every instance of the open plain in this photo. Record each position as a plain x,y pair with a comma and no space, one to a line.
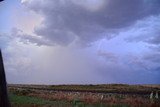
105,95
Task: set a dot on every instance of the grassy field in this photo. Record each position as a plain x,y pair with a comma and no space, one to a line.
26,101
111,95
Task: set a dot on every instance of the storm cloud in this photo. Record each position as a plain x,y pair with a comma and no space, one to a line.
43,45
87,21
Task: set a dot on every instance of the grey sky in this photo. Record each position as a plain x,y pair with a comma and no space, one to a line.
81,42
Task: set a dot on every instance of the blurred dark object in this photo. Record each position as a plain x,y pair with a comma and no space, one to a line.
4,102
1,0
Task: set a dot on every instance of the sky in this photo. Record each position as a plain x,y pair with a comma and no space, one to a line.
81,41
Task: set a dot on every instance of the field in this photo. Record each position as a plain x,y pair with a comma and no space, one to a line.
110,95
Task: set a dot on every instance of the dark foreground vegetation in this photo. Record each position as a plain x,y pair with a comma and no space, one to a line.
111,95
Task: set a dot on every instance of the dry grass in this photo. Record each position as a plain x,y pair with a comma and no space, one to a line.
110,99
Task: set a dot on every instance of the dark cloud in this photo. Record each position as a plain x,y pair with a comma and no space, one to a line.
66,21
155,48
154,40
154,57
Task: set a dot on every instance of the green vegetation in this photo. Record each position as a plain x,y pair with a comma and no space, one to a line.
22,100
26,100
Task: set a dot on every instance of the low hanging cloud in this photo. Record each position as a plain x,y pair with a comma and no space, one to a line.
87,21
